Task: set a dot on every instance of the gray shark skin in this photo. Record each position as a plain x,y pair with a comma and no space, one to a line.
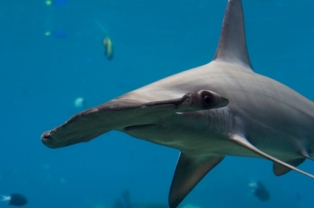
221,108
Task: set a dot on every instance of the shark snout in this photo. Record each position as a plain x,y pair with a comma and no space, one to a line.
47,139
53,140
45,136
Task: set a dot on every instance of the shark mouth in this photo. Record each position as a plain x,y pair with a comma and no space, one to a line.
129,128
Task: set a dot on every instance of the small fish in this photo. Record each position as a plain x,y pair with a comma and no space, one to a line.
260,191
108,47
57,33
107,41
80,103
15,199
56,2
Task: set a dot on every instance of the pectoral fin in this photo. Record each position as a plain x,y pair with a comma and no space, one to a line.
241,140
280,170
188,173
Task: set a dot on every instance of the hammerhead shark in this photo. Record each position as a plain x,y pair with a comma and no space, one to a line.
218,109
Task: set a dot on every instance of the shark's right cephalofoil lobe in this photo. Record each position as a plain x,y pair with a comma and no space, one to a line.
221,108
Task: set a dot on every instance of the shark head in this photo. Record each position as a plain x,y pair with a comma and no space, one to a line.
133,117
221,108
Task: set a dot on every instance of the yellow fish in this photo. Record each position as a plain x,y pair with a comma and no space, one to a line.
108,47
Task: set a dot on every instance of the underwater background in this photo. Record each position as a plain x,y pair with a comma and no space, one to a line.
52,52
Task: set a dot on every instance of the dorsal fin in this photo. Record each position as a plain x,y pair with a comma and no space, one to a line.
232,43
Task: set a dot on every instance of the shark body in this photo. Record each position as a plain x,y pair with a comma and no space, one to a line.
221,108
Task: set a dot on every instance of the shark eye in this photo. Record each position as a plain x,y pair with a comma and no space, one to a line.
207,98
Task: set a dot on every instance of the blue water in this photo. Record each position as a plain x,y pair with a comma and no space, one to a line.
52,54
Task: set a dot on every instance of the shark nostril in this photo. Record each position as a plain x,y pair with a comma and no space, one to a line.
46,136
